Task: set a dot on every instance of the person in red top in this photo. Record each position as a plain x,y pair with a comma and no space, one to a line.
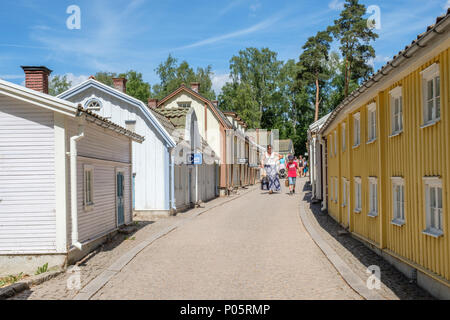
292,168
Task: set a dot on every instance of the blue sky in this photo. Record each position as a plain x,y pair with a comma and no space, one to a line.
118,35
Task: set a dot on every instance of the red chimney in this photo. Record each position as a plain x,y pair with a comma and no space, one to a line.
215,103
195,86
120,84
152,103
36,78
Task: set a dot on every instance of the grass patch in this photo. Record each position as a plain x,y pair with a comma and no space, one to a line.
42,269
6,281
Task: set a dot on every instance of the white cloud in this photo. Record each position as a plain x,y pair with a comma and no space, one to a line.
255,28
447,5
218,81
255,6
336,5
11,76
75,80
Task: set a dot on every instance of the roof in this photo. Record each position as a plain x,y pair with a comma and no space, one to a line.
441,26
167,124
65,107
38,98
92,83
236,116
316,126
222,118
177,116
103,122
285,145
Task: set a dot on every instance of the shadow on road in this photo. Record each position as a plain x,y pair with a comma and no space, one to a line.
403,287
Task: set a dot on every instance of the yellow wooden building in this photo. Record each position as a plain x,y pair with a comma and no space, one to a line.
387,162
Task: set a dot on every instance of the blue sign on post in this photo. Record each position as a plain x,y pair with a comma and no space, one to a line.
195,159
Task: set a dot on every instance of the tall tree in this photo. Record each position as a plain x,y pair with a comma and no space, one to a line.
354,35
172,75
106,77
58,84
259,69
313,64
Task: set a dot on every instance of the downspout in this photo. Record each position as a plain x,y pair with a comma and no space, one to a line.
323,175
73,186
172,181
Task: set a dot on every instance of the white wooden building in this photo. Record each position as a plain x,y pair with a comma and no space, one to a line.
193,183
153,171
65,177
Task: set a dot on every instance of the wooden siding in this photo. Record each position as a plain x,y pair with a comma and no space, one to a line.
27,179
106,152
415,153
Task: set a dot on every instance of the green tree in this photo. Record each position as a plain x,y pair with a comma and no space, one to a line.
136,86
354,35
172,75
313,65
58,84
106,77
255,72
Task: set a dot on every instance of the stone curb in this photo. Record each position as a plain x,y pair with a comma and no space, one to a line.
22,285
352,279
88,291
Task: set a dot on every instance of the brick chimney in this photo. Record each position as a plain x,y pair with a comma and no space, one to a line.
36,78
152,103
120,84
215,103
195,86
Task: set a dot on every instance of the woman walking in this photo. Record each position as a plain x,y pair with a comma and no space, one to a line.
271,162
293,169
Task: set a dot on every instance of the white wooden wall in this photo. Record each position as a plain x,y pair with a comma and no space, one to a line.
150,158
97,146
27,179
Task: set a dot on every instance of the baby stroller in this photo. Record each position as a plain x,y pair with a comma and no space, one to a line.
282,171
265,183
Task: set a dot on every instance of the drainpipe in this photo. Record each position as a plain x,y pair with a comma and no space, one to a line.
172,180
73,186
323,175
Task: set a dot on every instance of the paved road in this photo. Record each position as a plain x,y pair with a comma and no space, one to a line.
254,247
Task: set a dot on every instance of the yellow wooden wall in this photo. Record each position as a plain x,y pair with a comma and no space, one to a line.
415,153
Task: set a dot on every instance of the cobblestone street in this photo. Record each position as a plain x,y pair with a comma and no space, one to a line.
252,247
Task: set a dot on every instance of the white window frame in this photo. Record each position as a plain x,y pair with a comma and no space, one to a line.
432,73
332,189
356,130
88,200
371,122
88,104
331,145
436,229
373,197
344,146
358,196
335,142
398,213
344,192
336,190
396,118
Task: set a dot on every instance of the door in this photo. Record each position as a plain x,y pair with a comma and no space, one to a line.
120,198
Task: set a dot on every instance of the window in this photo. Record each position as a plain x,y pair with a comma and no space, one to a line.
358,204
373,197
88,186
331,146
433,202
332,191
432,94
372,122
336,190
344,192
184,104
396,110
93,105
343,137
335,142
398,200
356,130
